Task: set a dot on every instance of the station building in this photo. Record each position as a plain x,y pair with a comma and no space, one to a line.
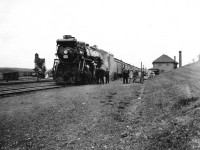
163,64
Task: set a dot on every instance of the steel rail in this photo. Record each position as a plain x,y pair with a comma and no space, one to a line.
9,92
5,88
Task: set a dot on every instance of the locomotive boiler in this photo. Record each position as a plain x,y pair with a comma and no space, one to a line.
76,62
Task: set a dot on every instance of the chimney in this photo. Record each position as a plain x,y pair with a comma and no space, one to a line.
180,59
174,58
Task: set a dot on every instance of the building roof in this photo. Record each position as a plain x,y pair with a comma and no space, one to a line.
164,59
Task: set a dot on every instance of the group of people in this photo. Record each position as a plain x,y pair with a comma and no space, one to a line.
131,76
100,74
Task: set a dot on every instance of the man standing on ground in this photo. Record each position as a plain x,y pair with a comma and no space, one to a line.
135,75
125,74
107,75
97,74
130,76
101,75
142,77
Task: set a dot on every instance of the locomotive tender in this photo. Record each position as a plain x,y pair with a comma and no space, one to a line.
77,62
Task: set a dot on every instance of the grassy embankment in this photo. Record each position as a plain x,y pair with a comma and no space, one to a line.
170,111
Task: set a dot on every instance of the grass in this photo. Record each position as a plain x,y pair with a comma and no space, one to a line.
183,102
174,136
171,117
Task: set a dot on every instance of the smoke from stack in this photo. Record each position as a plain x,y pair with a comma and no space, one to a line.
180,59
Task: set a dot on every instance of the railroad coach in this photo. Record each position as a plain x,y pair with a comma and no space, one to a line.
118,67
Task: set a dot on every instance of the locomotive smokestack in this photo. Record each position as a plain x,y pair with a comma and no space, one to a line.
180,59
36,55
67,36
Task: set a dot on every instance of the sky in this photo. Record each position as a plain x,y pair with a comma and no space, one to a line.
134,31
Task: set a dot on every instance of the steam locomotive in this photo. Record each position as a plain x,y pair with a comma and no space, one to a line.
76,62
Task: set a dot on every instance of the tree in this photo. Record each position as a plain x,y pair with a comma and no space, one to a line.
40,68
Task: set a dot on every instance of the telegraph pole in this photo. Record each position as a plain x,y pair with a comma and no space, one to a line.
141,74
143,68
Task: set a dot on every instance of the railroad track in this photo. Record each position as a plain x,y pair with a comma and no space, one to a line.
17,90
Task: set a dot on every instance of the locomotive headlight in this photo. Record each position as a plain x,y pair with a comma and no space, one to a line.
65,51
65,56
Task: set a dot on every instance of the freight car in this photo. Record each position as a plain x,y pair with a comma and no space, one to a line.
118,66
10,76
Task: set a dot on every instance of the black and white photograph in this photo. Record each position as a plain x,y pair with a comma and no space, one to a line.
99,75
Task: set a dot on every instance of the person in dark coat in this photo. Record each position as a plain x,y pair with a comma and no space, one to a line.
135,75
97,74
101,75
107,75
125,74
142,77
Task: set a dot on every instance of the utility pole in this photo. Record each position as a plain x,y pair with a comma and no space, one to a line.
198,56
141,76
193,60
180,59
143,68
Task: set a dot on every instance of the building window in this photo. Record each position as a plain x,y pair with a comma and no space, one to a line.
167,64
159,64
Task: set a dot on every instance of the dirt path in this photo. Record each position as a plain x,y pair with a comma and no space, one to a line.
79,117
